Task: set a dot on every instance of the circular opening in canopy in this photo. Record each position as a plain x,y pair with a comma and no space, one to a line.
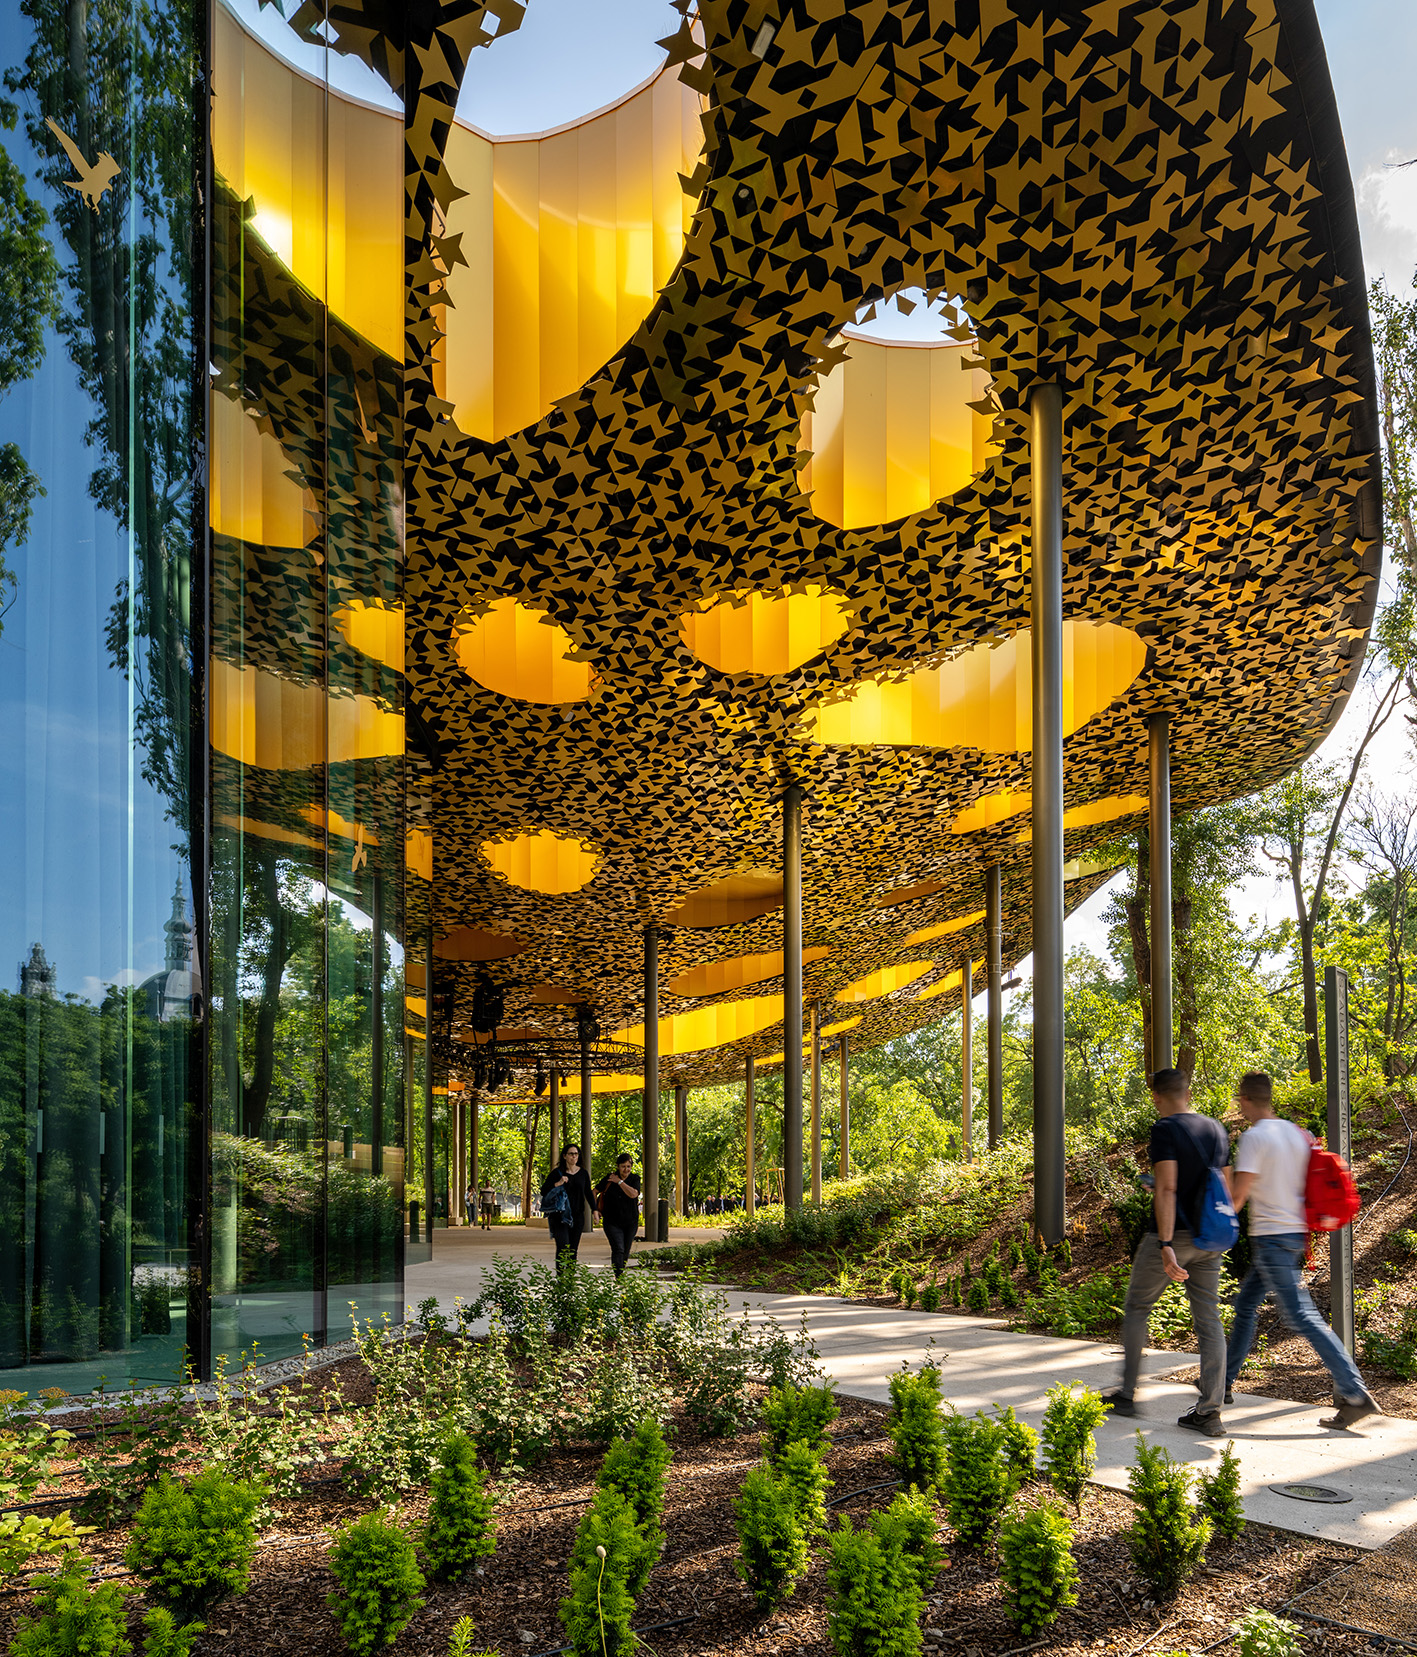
766,633
541,860
519,652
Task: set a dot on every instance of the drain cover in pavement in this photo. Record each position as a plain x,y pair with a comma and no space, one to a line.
1310,1493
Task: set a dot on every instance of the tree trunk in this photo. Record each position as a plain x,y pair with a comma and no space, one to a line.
1311,1002
1137,907
256,1098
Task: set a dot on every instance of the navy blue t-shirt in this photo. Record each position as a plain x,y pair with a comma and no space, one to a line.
1196,1144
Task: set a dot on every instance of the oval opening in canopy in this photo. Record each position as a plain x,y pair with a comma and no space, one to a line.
951,981
730,902
519,652
907,894
1096,811
719,977
943,930
374,630
541,860
983,698
469,943
884,981
766,633
706,1027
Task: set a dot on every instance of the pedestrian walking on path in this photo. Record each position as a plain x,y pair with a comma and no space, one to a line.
1185,1146
487,1201
1271,1174
566,1197
618,1197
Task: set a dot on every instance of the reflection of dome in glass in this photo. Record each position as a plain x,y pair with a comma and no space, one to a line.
172,992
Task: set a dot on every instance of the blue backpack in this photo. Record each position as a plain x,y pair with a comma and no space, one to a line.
556,1204
1216,1228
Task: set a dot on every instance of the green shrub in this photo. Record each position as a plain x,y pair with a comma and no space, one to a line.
609,1553
72,1619
1261,1634
956,1294
979,1481
1063,1253
1020,1445
907,1291
1015,1254
978,1298
162,1637
930,1297
910,1525
1008,1293
797,1415
873,1595
1081,1309
1166,1539
805,1474
1030,1256
1405,1242
458,1531
772,1551
375,1565
916,1428
26,1536
194,1543
1037,1566
1220,1495
635,1467
1069,1447
1396,1352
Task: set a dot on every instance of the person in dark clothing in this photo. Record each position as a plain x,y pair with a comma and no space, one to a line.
619,1195
569,1180
1185,1146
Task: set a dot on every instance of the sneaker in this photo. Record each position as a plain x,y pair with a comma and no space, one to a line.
1121,1404
1348,1415
1211,1425
1229,1396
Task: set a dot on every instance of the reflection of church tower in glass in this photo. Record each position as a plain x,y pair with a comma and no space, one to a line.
170,992
37,977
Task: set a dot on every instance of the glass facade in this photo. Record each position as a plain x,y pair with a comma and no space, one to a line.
207,1068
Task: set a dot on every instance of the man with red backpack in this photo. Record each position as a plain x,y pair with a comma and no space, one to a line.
1272,1174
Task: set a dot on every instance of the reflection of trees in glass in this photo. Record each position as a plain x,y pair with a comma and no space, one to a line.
28,300
122,79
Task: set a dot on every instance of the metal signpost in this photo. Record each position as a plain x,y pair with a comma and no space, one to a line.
1340,1141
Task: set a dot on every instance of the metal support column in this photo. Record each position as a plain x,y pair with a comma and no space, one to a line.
1158,730
553,1132
376,1027
994,977
1046,432
967,1055
681,1147
816,1105
844,1162
586,1097
750,1158
428,1098
792,996
649,1117
1340,1141
471,1168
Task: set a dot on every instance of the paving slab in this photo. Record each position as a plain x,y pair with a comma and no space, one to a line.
983,1362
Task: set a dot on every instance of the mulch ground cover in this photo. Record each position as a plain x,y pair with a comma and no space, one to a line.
514,1597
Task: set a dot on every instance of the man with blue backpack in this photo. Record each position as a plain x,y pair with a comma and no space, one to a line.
1192,1225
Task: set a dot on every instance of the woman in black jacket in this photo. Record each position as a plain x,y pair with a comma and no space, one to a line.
569,1177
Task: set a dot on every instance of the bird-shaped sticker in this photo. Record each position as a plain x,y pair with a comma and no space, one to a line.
360,855
92,181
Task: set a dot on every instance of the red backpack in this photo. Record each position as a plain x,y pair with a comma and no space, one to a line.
1330,1197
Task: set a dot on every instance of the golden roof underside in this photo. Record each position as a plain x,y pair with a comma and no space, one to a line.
1146,202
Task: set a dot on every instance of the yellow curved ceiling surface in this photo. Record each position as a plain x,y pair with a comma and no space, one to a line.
418,852
826,1030
541,860
951,981
892,430
374,630
717,1026
280,724
1098,811
992,809
765,632
324,175
943,930
718,977
519,652
907,894
471,943
983,698
730,902
252,494
885,981
568,237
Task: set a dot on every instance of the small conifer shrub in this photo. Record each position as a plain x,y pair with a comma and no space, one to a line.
459,1529
805,1474
1008,1293
374,1563
1020,1445
1069,1445
1167,1538
979,1479
1037,1566
1220,1495
930,1297
194,1542
72,1618
956,1296
772,1550
608,1554
636,1466
910,1525
873,1594
916,1427
978,1298
163,1637
1015,1254
797,1415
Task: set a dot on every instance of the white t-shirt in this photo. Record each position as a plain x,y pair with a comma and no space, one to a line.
1277,1154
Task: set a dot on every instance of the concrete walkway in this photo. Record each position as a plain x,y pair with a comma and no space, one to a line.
983,1363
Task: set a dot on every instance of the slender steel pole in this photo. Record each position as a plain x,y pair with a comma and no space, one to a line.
428,1094
1158,730
475,1111
750,1154
376,1027
844,1167
680,1148
553,1148
1049,1205
586,1099
816,1059
1340,1142
792,996
994,976
649,1119
967,1055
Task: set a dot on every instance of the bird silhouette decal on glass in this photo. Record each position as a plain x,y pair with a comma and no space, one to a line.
92,181
360,855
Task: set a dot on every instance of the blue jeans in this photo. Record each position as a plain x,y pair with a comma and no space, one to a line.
1275,1264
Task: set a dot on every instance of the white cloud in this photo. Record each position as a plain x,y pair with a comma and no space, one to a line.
1387,216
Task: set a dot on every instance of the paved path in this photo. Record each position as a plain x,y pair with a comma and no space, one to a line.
983,1362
